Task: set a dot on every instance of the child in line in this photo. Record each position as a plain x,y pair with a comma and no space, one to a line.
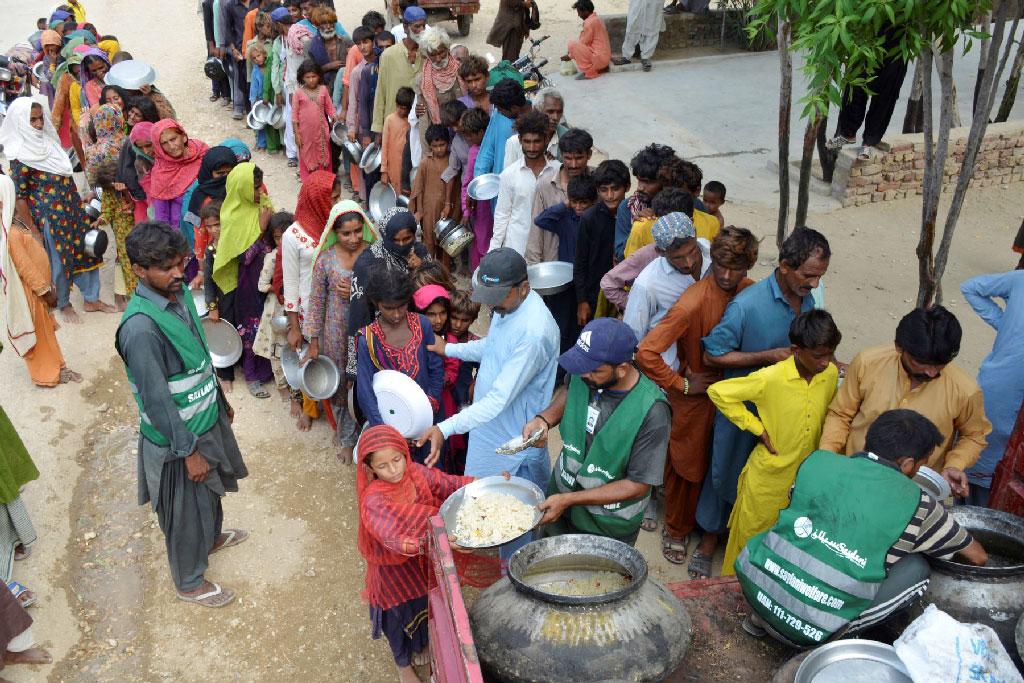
792,398
595,241
367,91
714,197
270,342
434,302
257,56
393,138
451,113
312,110
432,198
463,312
432,273
326,320
397,497
472,127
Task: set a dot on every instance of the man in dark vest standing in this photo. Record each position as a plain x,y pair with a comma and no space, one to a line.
846,553
614,424
188,457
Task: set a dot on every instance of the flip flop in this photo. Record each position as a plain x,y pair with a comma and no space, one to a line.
673,549
650,521
700,564
257,390
215,598
235,536
17,590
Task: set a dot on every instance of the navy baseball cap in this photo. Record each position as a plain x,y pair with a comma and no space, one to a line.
413,14
282,15
603,340
499,271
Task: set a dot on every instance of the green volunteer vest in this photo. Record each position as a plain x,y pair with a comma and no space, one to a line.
195,390
605,461
821,565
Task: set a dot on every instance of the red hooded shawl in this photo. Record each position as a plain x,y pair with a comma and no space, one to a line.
171,177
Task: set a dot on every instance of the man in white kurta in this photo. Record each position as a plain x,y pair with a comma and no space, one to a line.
645,21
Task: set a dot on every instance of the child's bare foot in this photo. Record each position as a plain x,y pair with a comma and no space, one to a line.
67,375
406,674
285,394
98,307
304,423
69,315
296,408
227,385
345,455
33,655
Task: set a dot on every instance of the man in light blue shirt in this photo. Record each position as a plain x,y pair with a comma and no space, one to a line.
518,360
1001,376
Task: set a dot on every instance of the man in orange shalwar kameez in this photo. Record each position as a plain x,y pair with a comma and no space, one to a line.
593,50
698,310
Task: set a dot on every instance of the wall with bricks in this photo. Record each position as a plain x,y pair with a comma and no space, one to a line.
899,172
681,31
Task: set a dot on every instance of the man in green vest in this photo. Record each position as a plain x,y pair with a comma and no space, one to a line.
846,553
614,424
187,456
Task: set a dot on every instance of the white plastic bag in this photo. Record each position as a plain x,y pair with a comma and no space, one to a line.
937,647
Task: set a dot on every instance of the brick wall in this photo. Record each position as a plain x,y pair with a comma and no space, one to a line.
899,172
681,31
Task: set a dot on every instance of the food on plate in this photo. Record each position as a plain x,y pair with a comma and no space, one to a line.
492,519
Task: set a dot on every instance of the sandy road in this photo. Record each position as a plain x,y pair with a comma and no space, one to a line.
107,610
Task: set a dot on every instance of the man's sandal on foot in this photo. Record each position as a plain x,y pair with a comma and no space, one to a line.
218,597
674,549
700,566
234,537
22,594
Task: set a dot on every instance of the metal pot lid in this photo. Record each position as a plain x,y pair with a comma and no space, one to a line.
131,74
853,660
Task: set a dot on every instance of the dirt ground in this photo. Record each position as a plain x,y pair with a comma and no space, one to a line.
107,610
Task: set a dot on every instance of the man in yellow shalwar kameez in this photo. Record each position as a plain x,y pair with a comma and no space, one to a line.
792,399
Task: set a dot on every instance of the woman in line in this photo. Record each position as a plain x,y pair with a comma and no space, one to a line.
312,111
29,295
66,101
238,262
49,44
326,322
397,339
397,250
176,164
95,65
134,167
48,200
210,186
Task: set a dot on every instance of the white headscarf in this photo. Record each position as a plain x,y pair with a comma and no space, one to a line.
38,149
21,329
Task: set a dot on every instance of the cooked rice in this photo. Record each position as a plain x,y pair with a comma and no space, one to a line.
492,519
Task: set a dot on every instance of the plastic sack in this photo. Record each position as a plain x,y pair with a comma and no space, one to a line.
937,647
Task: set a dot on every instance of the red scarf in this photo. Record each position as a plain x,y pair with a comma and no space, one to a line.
312,209
171,177
435,81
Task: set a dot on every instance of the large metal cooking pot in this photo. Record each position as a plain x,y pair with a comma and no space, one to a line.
551,277
526,632
382,199
224,342
94,244
320,378
993,594
484,186
454,238
370,161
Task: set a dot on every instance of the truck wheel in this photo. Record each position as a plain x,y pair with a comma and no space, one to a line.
464,22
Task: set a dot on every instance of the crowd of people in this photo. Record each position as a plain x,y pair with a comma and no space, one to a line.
671,375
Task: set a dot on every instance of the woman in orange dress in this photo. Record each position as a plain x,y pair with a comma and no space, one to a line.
29,295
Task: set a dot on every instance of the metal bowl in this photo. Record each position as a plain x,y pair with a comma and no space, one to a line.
279,323
933,483
94,208
382,199
484,187
39,71
254,122
455,239
131,74
224,341
291,363
276,119
550,277
95,243
339,132
370,161
517,487
853,660
320,378
261,111
353,150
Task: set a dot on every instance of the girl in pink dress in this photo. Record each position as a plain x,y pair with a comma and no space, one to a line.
312,112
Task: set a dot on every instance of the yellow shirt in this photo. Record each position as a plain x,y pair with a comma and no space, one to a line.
876,382
640,235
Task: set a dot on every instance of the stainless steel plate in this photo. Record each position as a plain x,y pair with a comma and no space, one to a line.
853,661
550,277
484,187
225,344
517,487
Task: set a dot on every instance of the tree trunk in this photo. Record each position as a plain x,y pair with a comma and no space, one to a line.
913,121
1012,82
985,27
941,63
806,161
979,124
826,157
785,107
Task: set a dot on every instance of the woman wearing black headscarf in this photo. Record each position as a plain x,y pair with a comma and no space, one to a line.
397,249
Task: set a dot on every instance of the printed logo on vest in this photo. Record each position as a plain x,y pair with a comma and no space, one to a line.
591,468
802,527
584,341
840,548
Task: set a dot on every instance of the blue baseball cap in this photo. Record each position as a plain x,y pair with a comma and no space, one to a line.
413,14
603,340
281,14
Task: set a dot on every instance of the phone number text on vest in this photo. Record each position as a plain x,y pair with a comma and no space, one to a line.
793,622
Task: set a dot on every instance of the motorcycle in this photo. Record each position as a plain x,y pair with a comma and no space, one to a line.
15,75
529,65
